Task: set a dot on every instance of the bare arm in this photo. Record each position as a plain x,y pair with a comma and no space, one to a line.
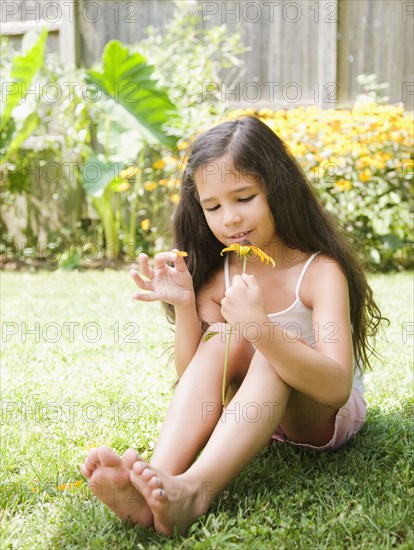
188,325
323,373
187,336
173,285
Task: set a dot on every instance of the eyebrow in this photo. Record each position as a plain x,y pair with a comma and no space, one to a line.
238,190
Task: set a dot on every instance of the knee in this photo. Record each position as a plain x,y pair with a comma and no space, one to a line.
240,352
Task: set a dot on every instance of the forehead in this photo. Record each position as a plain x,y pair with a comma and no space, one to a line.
222,173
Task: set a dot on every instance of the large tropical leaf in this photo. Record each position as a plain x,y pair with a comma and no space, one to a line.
128,79
24,68
97,175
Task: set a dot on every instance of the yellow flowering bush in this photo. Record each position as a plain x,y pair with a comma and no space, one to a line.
361,163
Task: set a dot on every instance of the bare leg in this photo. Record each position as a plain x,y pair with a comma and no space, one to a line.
196,405
194,411
245,427
109,480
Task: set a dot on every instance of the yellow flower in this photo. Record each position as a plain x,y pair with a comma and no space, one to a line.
175,197
145,224
70,485
124,186
182,145
365,175
343,185
181,253
159,164
244,250
150,185
128,172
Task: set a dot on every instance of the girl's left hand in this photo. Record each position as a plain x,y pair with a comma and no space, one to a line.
243,302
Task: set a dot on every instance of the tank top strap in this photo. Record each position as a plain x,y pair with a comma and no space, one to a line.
302,274
226,272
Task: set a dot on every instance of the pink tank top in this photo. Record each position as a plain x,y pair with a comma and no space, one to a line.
296,319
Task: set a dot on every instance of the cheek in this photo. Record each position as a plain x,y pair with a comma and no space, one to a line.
212,223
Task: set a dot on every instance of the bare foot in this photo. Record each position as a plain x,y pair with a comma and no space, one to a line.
108,478
175,502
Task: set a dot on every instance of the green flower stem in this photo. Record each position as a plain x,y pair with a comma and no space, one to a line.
226,357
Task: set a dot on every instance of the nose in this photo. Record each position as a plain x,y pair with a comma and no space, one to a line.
231,216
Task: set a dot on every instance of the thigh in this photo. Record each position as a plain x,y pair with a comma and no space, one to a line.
307,421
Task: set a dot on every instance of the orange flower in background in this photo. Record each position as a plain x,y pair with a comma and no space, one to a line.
70,485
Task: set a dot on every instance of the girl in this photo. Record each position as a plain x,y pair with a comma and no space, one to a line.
300,332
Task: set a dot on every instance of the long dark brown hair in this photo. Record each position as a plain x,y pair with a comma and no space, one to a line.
302,222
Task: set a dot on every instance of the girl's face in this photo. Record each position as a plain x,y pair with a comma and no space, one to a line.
234,204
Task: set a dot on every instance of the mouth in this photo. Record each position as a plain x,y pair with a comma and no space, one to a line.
239,237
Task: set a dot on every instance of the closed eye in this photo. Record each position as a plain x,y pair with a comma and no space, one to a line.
247,199
244,199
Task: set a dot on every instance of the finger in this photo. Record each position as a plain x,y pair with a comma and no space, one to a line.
139,281
144,266
250,280
179,262
146,297
238,280
162,258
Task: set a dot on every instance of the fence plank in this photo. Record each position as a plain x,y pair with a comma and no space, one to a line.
307,43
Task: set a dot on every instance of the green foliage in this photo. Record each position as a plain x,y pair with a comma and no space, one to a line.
187,57
129,81
128,122
19,117
23,70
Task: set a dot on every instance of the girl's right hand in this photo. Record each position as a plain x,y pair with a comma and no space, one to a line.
173,285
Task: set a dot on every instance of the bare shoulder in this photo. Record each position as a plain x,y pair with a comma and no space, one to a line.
209,298
324,277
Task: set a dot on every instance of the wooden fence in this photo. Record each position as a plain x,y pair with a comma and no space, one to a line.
302,52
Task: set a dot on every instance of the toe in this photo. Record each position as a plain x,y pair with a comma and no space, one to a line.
107,457
159,495
85,471
130,456
155,482
138,467
147,474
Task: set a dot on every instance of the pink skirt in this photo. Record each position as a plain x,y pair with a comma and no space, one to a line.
349,420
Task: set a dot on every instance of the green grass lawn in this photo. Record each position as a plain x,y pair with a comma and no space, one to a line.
63,393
